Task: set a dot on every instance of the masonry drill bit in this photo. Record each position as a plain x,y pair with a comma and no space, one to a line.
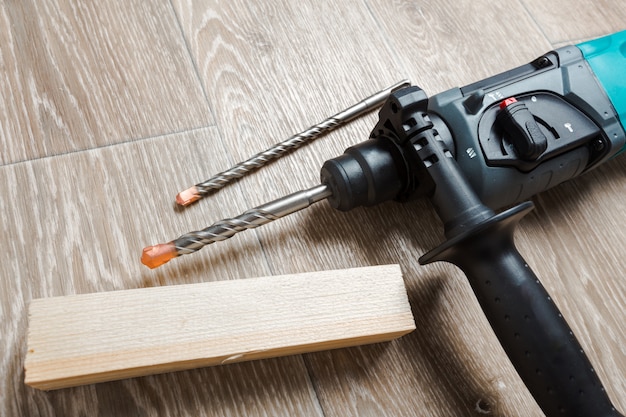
154,256
198,191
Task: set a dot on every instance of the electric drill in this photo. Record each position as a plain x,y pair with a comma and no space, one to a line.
485,147
473,151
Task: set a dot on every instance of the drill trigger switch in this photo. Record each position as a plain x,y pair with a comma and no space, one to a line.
522,129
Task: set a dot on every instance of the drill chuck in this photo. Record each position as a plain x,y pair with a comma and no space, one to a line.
366,174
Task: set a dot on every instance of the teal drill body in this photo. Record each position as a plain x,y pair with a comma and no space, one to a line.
607,58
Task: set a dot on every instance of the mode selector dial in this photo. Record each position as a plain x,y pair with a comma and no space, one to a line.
521,129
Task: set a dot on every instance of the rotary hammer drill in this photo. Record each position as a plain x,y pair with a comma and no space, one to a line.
488,146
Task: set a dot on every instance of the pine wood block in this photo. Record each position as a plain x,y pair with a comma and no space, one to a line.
84,339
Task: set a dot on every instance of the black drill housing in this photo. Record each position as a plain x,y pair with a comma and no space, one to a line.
457,150
560,91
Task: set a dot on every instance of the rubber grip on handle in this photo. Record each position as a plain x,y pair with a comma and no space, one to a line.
528,324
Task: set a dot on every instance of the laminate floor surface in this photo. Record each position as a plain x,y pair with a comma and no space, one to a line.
108,109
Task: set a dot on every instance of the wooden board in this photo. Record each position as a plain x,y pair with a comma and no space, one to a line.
84,339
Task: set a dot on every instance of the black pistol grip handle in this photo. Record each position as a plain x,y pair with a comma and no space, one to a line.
527,322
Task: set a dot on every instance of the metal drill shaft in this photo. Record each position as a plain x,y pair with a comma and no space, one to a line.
218,181
224,229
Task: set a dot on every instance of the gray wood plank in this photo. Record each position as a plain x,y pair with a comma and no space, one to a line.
75,77
80,75
565,21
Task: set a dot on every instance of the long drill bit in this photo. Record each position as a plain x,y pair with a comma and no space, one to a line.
154,256
200,190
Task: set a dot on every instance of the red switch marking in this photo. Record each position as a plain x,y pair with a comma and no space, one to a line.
507,102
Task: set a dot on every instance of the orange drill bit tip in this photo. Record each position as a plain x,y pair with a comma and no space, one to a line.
157,255
190,195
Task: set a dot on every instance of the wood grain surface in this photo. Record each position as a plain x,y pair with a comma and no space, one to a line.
108,109
148,331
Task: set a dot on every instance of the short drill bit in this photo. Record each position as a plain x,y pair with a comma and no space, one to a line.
200,190
154,256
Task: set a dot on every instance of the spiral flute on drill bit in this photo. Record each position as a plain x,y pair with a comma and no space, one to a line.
218,181
154,256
